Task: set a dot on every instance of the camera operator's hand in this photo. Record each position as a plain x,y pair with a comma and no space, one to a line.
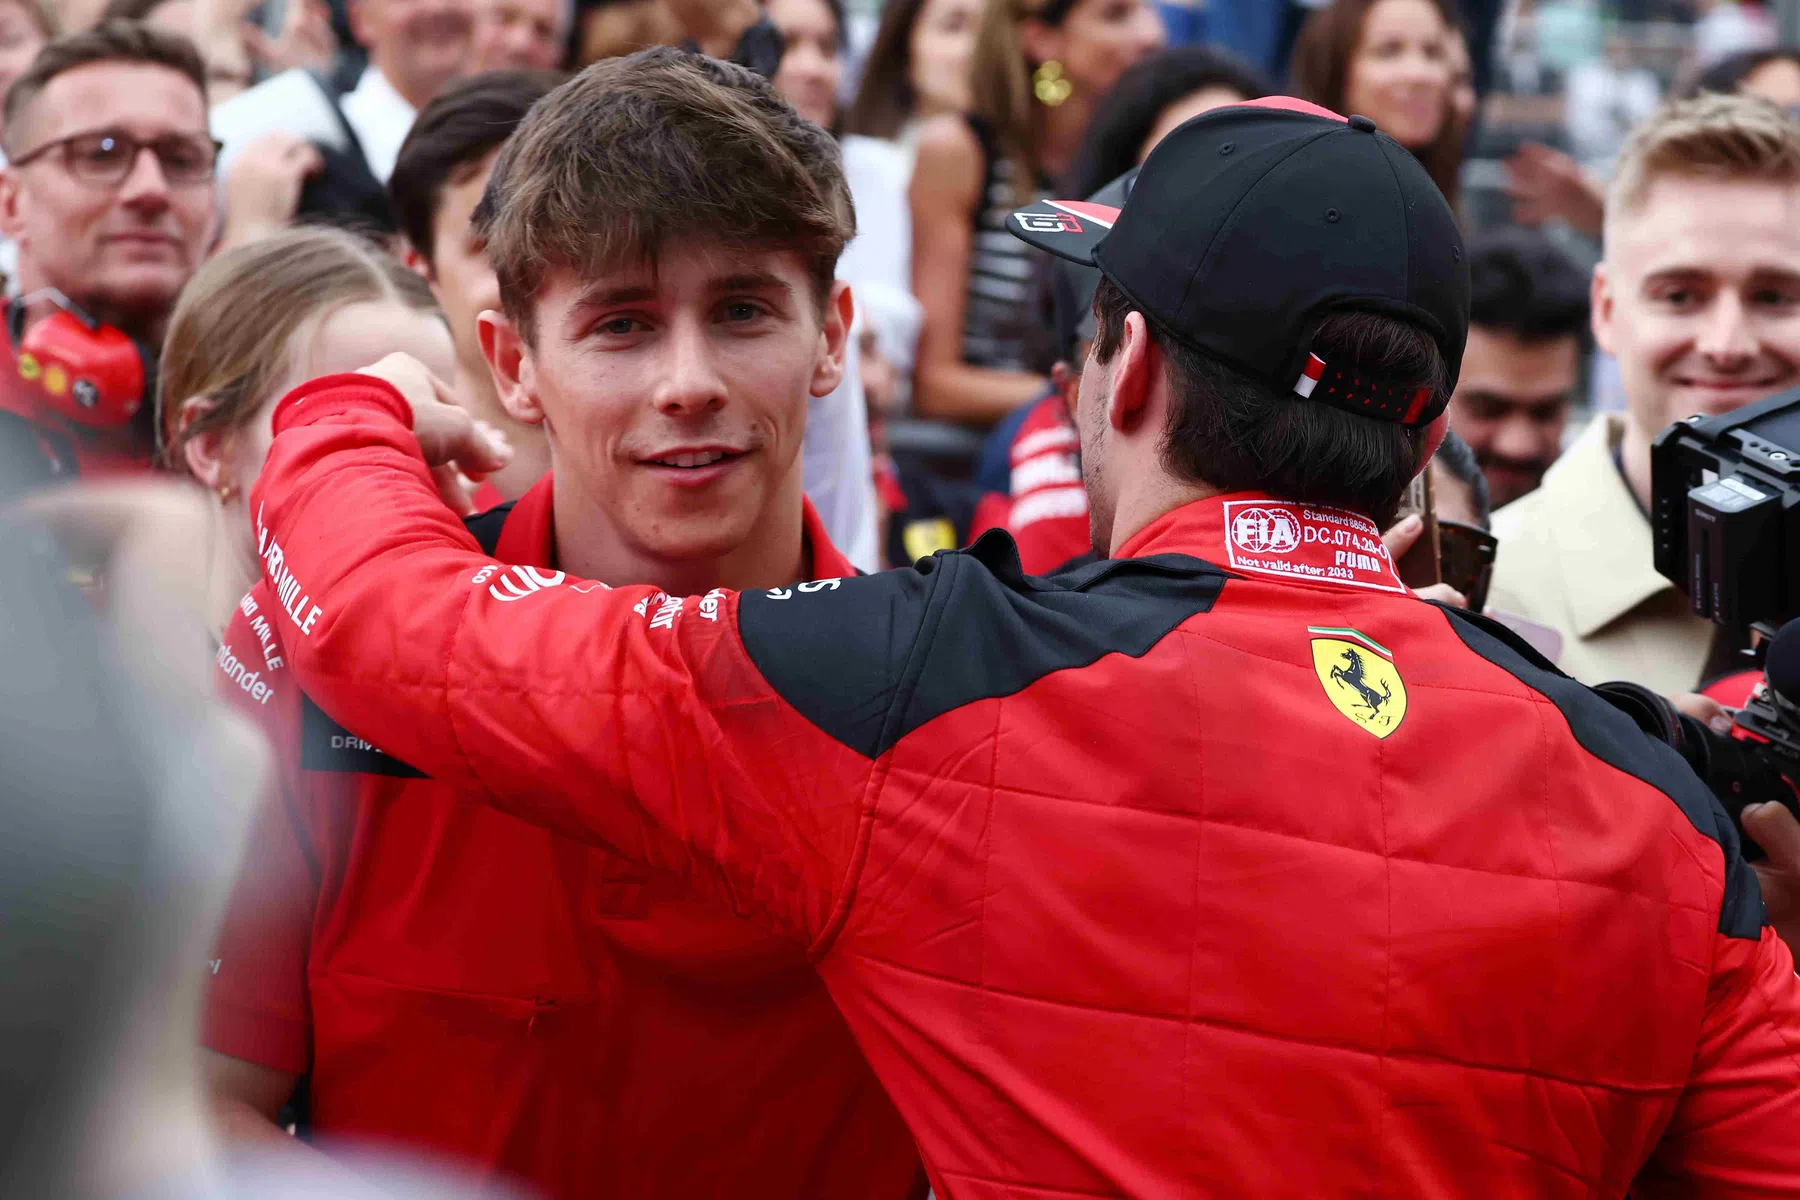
1778,833
457,447
1401,538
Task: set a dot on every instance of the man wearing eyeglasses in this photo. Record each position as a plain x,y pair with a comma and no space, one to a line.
108,196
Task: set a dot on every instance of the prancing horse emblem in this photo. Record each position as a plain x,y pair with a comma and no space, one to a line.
1359,678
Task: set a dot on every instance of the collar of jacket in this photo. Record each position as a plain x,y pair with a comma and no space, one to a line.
1264,536
1597,532
528,539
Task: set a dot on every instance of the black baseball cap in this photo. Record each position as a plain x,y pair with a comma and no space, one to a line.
1073,284
1252,222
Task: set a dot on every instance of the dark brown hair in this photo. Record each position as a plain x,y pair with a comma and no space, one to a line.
1320,72
461,126
1237,432
111,41
885,100
130,10
664,144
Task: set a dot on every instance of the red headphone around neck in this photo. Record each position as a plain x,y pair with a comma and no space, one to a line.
86,371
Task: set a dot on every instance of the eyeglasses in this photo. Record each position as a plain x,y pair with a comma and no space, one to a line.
107,156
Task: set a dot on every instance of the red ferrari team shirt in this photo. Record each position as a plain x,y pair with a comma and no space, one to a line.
461,982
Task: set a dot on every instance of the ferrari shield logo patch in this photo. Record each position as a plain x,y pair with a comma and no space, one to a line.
1359,678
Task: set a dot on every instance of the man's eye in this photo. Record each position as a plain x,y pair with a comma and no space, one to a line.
619,326
1772,298
742,311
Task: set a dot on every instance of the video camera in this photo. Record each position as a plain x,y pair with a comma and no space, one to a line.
1725,515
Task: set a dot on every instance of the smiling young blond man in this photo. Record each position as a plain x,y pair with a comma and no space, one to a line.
1698,297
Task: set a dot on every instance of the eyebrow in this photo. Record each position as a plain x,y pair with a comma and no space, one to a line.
752,281
601,296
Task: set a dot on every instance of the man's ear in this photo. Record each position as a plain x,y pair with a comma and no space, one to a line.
12,203
416,262
509,359
357,12
1137,377
834,336
204,453
1600,308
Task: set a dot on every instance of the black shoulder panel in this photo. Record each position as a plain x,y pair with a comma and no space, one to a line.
872,659
327,746
487,526
1613,738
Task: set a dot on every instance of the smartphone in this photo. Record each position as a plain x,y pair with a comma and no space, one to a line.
1421,566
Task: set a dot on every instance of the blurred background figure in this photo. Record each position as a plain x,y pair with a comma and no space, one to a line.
837,462
612,28
1040,69
917,69
441,174
522,35
1160,93
415,48
109,198
233,42
1521,371
1772,73
325,302
1395,62
25,25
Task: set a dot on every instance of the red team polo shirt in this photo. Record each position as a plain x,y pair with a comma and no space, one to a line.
460,982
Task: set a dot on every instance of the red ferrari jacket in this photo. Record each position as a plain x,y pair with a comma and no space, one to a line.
531,1008
1225,867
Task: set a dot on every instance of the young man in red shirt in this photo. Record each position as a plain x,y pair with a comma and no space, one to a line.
456,981
1222,867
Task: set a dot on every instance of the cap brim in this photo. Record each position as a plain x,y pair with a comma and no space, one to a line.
1066,228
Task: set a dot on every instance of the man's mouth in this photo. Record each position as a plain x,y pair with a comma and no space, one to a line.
1733,392
690,460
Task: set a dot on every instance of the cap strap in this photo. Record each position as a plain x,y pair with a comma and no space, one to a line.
1366,395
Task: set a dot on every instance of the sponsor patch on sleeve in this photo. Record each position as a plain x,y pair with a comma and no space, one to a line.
1303,542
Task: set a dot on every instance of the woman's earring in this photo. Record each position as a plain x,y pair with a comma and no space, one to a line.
1049,84
226,492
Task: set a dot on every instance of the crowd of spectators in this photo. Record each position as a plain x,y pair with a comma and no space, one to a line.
204,204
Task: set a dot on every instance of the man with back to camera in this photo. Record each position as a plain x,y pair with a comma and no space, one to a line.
1698,297
453,979
108,195
1528,309
1131,879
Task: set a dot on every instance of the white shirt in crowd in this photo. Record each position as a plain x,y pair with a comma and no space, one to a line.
380,117
294,102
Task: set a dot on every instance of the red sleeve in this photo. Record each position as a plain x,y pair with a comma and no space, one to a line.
622,716
256,1004
1736,1128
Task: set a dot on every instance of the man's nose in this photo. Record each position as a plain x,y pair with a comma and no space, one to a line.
1516,437
690,382
1725,337
145,186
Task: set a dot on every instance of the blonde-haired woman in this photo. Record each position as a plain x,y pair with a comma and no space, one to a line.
1040,67
254,323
